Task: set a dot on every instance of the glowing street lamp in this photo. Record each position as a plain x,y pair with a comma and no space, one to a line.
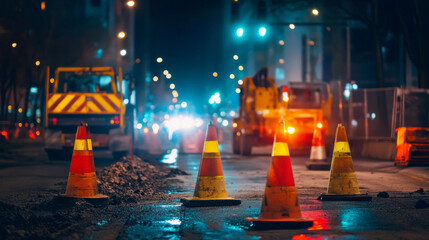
292,26
121,34
131,3
155,78
215,74
123,52
172,86
37,63
159,60
315,12
14,45
235,57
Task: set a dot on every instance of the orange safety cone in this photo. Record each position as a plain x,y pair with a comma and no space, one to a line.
82,181
343,184
318,159
210,189
280,207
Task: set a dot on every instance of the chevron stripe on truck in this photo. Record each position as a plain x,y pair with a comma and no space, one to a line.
75,103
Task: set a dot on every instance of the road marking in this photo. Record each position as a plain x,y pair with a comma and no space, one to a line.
415,177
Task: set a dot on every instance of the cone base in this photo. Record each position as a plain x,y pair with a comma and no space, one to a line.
210,202
352,197
285,223
318,165
98,199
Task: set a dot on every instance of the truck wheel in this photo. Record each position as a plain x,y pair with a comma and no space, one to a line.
235,143
246,142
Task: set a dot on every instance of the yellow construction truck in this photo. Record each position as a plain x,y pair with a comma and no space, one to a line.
93,95
304,106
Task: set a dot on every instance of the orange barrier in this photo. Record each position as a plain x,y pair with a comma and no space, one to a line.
82,181
412,146
318,159
343,184
280,207
210,189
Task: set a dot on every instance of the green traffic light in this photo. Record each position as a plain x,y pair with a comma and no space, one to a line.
240,32
262,31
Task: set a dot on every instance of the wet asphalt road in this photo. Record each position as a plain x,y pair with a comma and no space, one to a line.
383,218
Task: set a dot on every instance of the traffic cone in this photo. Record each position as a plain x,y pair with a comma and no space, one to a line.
280,207
82,181
210,189
343,184
318,159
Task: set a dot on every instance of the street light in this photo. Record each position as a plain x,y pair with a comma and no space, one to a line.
159,60
315,12
281,42
131,3
123,52
292,26
168,76
155,78
232,76
121,34
215,74
241,68
14,45
172,86
165,72
235,57
37,63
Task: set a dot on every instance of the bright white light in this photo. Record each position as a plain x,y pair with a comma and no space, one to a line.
199,122
235,57
126,101
347,93
159,60
139,126
373,115
292,26
123,52
354,123
240,32
168,76
217,94
172,86
225,122
355,86
219,119
232,76
232,113
155,128
262,31
174,222
240,82
184,104
237,90
315,12
155,78
165,72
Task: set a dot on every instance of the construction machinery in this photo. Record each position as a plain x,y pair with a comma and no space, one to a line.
304,106
412,146
93,95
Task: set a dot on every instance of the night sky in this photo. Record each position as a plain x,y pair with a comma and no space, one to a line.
188,35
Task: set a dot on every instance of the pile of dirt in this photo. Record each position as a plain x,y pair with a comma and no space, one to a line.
133,180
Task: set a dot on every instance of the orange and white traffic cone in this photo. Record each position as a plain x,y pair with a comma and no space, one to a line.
343,184
318,159
82,181
210,189
280,207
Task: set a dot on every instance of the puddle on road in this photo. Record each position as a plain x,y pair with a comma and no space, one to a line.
171,158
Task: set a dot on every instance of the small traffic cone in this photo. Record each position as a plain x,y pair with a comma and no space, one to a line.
318,159
210,189
343,184
82,181
280,207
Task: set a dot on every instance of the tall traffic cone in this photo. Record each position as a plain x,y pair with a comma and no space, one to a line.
210,189
318,159
343,184
280,207
82,181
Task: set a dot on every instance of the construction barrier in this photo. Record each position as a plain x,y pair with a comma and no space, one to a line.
343,185
210,189
318,159
82,181
280,206
412,146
